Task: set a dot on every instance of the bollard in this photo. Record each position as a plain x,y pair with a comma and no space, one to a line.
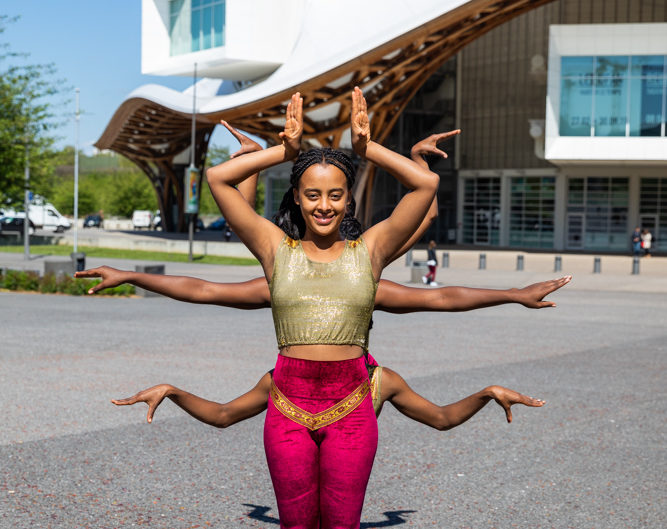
78,260
558,263
596,265
408,258
445,260
519,263
635,265
482,261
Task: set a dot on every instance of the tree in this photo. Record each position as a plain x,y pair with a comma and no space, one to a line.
26,123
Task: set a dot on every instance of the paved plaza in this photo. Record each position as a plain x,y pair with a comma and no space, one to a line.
593,457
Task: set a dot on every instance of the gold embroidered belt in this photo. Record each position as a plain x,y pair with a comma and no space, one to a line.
314,421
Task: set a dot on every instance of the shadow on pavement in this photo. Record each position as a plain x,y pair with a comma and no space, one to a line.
393,517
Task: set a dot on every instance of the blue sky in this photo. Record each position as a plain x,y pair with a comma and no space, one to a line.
95,46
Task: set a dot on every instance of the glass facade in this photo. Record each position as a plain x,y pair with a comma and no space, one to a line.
532,203
613,95
653,210
597,213
481,210
196,25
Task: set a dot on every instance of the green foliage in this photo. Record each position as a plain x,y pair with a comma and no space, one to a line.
20,280
27,123
216,155
132,191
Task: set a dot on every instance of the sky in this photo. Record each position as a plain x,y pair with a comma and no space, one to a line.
95,46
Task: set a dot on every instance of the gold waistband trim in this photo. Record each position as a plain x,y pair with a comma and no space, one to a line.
323,418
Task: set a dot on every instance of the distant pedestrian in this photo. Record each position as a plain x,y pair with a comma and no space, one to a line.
647,240
432,263
636,239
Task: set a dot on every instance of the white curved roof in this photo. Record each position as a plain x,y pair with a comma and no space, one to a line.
333,33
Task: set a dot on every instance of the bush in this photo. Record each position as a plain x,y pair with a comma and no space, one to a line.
49,284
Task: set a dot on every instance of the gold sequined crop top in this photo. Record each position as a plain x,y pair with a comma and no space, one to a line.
322,303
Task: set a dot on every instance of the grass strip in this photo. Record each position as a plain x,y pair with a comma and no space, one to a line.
143,255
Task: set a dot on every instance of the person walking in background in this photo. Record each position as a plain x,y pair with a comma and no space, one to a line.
432,263
646,240
636,242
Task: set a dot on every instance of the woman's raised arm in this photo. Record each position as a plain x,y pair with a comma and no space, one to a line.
260,235
387,237
419,150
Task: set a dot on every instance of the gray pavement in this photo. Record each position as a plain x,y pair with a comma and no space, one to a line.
593,457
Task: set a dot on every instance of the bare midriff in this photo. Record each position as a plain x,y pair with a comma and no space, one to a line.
322,352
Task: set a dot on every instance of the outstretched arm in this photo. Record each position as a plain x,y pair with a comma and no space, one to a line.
413,405
399,299
253,294
213,413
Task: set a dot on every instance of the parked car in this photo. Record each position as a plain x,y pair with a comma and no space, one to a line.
92,221
142,219
217,225
14,224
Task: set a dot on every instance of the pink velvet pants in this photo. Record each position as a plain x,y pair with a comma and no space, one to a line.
320,476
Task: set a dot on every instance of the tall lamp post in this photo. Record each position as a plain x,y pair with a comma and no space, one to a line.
26,205
76,174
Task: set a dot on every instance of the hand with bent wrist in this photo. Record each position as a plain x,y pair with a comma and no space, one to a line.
506,398
151,396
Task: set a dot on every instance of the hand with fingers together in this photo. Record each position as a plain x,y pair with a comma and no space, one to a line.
506,398
151,396
291,136
430,145
359,122
110,277
247,145
532,295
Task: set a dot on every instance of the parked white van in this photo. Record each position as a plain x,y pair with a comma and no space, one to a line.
47,217
142,219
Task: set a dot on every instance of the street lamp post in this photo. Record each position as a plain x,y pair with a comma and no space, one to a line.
76,173
26,206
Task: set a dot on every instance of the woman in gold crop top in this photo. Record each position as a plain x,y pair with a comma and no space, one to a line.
320,432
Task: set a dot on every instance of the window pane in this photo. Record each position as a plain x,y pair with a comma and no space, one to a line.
610,106
207,27
576,102
195,30
219,24
647,100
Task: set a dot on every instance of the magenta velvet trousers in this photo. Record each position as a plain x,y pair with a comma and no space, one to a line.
320,476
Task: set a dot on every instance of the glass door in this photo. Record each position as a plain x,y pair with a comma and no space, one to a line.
575,231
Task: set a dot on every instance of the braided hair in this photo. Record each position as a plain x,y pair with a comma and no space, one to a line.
289,217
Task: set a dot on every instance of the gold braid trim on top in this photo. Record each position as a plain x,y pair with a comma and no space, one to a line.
323,418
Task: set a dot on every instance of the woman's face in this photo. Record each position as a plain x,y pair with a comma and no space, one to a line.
323,198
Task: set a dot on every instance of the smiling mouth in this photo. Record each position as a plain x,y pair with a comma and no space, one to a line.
323,221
